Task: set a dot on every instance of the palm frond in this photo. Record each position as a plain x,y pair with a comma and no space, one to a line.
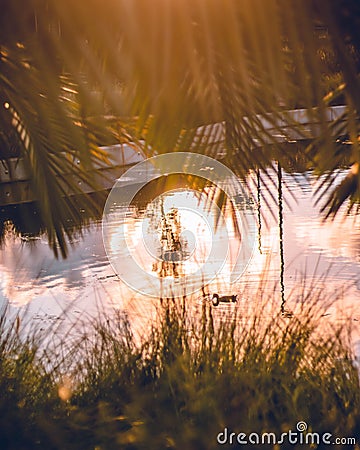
168,73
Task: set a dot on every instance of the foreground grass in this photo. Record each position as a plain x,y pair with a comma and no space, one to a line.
182,385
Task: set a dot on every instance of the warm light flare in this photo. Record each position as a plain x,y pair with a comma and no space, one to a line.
65,389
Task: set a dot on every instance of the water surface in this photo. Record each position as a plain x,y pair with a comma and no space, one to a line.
322,256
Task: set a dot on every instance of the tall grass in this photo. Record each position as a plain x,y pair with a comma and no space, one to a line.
180,385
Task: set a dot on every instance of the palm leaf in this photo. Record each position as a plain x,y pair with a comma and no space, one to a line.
168,73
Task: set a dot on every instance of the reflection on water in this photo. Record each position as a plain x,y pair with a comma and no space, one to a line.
85,281
173,246
281,241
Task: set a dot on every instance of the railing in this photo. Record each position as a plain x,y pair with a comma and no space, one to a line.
15,178
293,125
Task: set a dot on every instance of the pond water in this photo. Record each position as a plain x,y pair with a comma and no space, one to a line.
295,251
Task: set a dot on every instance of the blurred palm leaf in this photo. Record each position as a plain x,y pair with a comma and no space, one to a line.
170,67
43,116
200,62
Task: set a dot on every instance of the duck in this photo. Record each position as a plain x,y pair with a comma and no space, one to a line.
216,299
